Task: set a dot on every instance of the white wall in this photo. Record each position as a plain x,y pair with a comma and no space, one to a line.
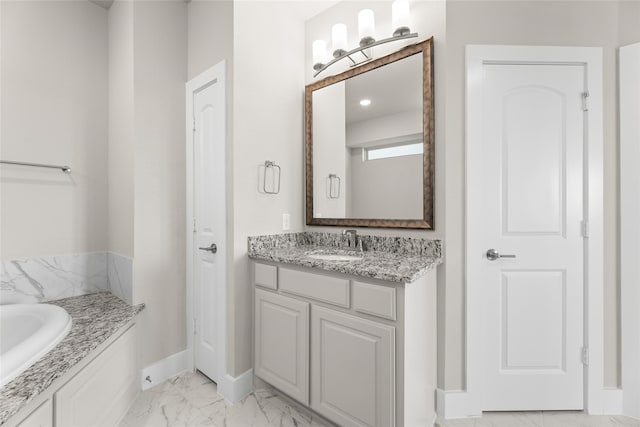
121,136
54,110
268,93
210,34
160,72
392,128
396,180
147,169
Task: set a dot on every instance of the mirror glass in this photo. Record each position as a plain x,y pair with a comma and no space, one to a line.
369,149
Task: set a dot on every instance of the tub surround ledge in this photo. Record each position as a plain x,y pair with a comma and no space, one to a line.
96,317
395,259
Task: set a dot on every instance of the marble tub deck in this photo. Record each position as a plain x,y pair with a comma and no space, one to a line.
190,399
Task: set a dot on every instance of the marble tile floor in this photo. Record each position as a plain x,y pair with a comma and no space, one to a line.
191,400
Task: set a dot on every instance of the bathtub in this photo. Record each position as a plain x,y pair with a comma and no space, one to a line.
28,332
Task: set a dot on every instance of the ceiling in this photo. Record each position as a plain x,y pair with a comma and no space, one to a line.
392,89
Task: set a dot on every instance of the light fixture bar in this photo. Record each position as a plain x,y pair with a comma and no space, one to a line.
361,48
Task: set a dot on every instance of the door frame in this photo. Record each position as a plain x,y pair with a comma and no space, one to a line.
591,58
217,72
629,64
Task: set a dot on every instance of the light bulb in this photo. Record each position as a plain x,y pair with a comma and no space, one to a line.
400,17
339,40
366,27
319,48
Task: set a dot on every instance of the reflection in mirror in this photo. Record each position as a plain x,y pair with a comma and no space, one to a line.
369,144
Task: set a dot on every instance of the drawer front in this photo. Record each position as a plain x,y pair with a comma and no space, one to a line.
327,289
374,299
265,275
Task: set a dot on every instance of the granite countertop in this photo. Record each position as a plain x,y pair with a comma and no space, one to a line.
394,259
96,317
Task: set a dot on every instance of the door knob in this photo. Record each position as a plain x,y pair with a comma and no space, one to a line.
213,248
493,255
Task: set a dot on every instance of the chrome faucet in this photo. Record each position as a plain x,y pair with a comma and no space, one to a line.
353,241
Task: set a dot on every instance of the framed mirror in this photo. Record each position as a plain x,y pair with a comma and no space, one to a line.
370,143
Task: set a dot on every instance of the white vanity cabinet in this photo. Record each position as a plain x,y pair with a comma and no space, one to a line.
282,343
358,351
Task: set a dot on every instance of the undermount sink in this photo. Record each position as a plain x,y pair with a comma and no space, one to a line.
335,257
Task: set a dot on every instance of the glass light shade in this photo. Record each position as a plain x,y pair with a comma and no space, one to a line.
400,17
339,39
366,26
319,48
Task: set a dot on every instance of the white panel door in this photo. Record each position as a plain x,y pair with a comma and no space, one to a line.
352,369
209,224
526,199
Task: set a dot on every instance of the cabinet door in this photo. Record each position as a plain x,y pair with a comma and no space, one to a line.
41,417
101,393
352,369
282,343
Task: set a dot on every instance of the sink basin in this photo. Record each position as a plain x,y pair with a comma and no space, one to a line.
28,332
335,257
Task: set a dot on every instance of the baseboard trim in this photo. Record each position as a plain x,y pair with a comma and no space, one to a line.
164,369
612,401
234,389
451,404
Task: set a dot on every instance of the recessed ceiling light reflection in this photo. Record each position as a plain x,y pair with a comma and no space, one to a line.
365,102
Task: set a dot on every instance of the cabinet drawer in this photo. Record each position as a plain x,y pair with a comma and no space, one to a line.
332,290
265,275
374,299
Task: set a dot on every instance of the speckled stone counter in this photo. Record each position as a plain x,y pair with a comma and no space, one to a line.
395,259
95,317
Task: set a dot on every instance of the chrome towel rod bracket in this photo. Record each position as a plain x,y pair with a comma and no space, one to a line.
65,169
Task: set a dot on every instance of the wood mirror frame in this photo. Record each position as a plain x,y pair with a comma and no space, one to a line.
426,47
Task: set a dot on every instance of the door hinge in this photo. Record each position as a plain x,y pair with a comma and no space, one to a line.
585,95
194,225
585,355
195,324
194,123
585,229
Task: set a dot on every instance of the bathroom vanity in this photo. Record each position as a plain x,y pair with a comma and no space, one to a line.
351,335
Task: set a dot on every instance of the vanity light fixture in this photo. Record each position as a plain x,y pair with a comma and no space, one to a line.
366,31
365,102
